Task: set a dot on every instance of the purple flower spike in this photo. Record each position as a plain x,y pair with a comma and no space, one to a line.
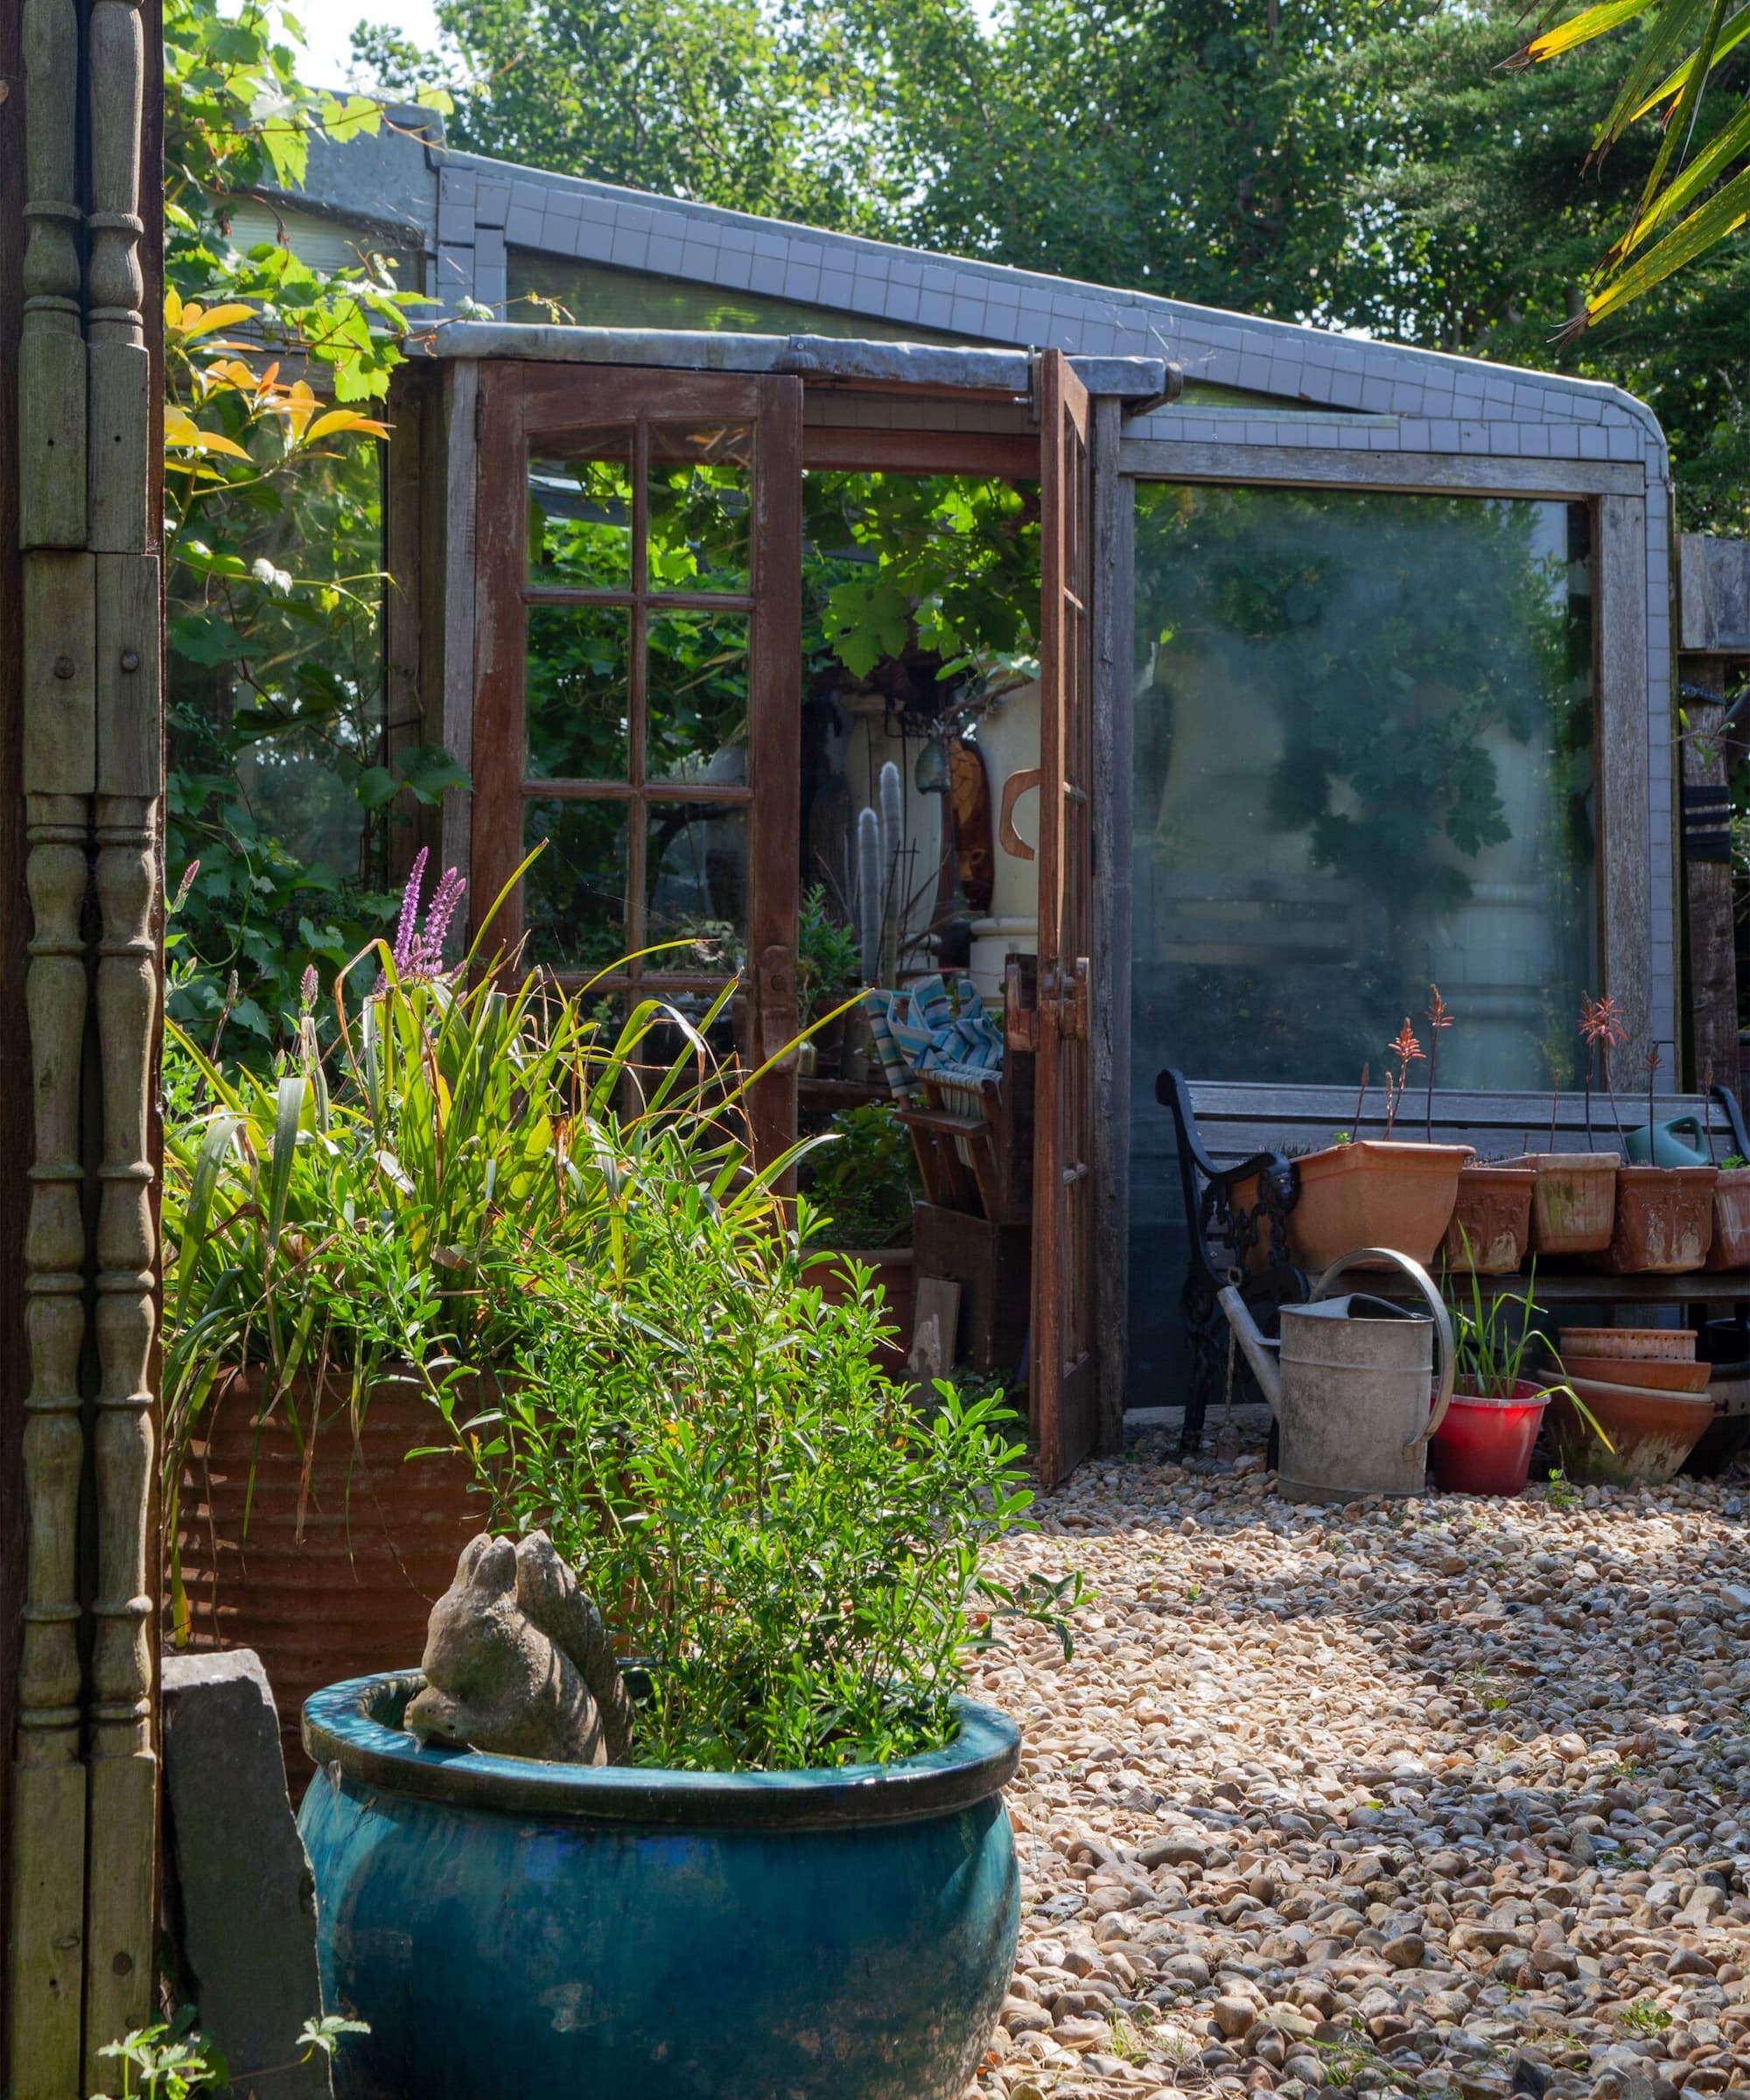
407,927
418,952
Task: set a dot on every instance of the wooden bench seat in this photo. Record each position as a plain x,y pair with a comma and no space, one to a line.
1228,1135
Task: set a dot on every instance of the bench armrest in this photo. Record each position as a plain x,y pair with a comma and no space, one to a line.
1734,1115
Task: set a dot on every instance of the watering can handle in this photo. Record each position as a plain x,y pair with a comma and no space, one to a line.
1437,1306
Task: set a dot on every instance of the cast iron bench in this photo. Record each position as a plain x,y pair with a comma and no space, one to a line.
1228,1135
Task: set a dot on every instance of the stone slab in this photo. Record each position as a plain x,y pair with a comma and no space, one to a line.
240,1878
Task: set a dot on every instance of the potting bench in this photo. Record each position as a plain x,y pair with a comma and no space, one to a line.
1230,1134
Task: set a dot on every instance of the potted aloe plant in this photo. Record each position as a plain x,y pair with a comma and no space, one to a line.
1573,1202
1665,1197
800,1878
1377,1192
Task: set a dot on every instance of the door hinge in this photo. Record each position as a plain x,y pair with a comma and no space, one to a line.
1062,999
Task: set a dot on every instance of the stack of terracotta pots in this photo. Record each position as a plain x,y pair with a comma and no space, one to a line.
1645,1395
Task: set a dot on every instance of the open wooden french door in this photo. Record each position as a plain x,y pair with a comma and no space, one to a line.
638,652
1063,1382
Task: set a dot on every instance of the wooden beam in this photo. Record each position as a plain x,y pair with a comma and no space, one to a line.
889,452
1624,861
1318,466
1113,695
1711,944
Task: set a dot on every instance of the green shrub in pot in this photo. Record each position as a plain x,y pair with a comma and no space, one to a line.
789,1540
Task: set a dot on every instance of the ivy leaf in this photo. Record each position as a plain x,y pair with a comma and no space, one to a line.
428,769
375,785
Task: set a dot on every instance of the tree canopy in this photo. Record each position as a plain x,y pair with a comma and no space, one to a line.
1356,164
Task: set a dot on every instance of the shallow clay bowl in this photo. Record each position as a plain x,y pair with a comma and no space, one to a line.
1641,1345
1647,1373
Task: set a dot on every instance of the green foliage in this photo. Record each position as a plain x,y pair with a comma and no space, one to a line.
386,1217
944,563
829,960
1350,163
1697,192
174,2062
788,1539
277,784
864,1179
710,99
1494,1337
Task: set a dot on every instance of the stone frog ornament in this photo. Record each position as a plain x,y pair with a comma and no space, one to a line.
518,1662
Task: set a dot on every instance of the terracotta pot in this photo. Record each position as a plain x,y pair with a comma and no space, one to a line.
1650,1433
1573,1203
1654,1374
346,1584
1491,1224
1667,1345
893,1273
1664,1219
1374,1193
1730,1248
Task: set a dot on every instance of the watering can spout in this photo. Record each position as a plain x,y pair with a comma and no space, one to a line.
1260,1354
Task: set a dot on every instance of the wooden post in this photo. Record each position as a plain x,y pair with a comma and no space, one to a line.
1707,881
87,768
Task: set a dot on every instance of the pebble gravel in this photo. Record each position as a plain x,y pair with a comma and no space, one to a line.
1449,1796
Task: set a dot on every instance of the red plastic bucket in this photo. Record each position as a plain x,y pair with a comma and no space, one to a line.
1484,1447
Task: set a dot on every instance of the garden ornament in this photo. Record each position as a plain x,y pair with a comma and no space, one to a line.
518,1663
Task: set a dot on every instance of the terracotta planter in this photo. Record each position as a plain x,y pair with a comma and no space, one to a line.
1664,1219
1651,1433
1491,1224
1573,1203
347,1585
1730,1248
893,1273
1374,1193
1666,1344
1656,1373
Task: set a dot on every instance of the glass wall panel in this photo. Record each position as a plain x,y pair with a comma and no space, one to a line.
1364,764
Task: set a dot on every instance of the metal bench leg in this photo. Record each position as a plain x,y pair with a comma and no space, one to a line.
1205,1328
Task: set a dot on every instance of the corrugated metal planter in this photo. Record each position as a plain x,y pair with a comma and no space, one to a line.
509,1927
334,1576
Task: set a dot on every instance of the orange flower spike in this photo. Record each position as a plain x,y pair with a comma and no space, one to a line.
1404,1047
1439,1014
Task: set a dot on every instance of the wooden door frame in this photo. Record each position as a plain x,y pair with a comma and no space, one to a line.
1063,1380
519,406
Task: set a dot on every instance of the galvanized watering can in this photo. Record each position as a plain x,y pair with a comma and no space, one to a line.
1348,1384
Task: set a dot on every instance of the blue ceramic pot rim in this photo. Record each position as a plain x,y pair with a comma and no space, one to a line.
355,1725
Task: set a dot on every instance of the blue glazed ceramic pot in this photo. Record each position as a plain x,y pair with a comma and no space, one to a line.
509,1927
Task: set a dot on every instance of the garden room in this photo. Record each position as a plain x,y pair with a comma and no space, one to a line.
746,637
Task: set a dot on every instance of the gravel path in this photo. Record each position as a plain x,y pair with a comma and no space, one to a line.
1451,1796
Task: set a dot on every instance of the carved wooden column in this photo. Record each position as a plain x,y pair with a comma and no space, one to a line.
84,1808
46,1940
122,1882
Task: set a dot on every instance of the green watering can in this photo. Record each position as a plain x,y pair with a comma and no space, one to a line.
1679,1141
